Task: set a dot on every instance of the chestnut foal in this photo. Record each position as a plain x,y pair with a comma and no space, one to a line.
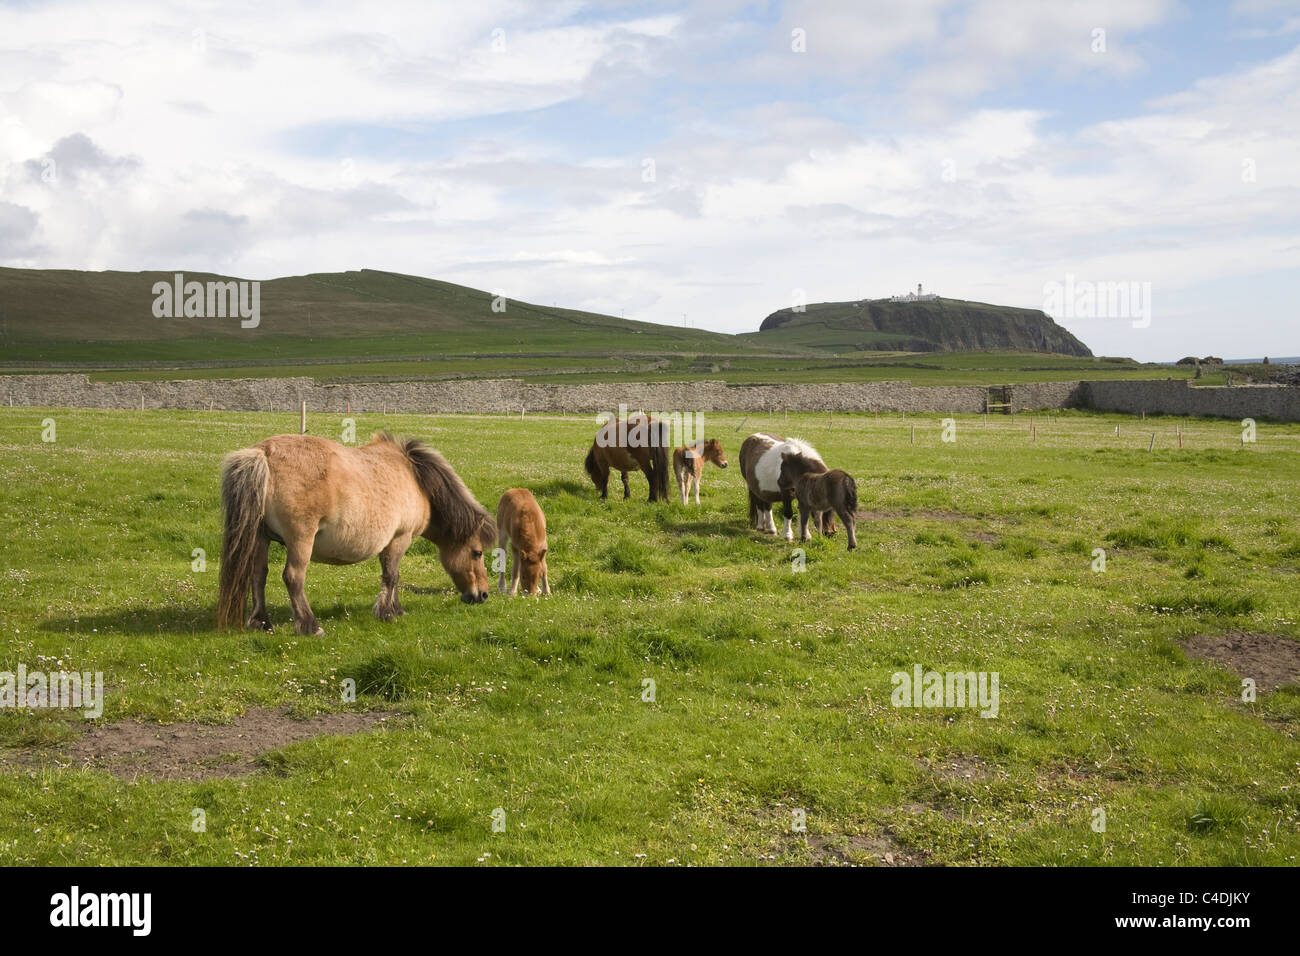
688,465
521,523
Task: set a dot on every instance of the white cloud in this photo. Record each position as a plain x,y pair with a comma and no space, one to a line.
199,151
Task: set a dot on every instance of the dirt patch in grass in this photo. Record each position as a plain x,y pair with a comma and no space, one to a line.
920,809
131,749
961,767
834,849
935,514
881,850
1270,660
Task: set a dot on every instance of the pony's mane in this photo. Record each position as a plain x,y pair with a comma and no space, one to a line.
796,465
455,514
794,446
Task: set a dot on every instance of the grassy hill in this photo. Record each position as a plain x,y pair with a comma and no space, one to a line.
107,317
942,325
372,325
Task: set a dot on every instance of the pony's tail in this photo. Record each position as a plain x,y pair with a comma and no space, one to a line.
590,464
244,478
659,460
850,493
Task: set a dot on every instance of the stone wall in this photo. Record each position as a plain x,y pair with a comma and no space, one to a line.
495,396
1180,397
506,395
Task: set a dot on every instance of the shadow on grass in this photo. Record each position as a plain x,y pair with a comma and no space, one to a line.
445,590
726,529
137,620
562,486
192,620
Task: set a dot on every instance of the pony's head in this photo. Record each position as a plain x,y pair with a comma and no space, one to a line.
463,561
713,452
460,527
531,566
794,465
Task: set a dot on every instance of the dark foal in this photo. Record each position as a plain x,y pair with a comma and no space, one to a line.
821,493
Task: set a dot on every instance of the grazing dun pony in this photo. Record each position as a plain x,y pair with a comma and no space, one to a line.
820,493
520,523
688,465
760,465
335,504
639,443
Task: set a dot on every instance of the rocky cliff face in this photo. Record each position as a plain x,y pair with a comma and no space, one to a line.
945,325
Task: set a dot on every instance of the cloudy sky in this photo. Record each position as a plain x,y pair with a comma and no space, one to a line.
705,162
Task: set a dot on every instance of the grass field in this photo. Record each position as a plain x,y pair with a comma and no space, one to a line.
772,685
919,368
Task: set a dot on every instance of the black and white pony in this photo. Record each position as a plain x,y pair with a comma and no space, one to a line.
760,464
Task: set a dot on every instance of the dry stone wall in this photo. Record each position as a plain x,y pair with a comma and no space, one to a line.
509,395
496,396
1180,397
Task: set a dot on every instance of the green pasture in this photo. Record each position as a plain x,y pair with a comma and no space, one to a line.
771,668
615,365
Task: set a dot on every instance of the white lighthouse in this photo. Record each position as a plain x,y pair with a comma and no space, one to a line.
918,296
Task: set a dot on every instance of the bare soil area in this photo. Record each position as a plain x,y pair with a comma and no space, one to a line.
131,749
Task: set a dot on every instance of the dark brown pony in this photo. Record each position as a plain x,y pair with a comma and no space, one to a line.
820,493
336,504
638,444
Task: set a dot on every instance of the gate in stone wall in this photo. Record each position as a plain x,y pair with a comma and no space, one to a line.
998,399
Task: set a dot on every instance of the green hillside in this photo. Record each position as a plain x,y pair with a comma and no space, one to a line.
107,317
371,325
941,325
